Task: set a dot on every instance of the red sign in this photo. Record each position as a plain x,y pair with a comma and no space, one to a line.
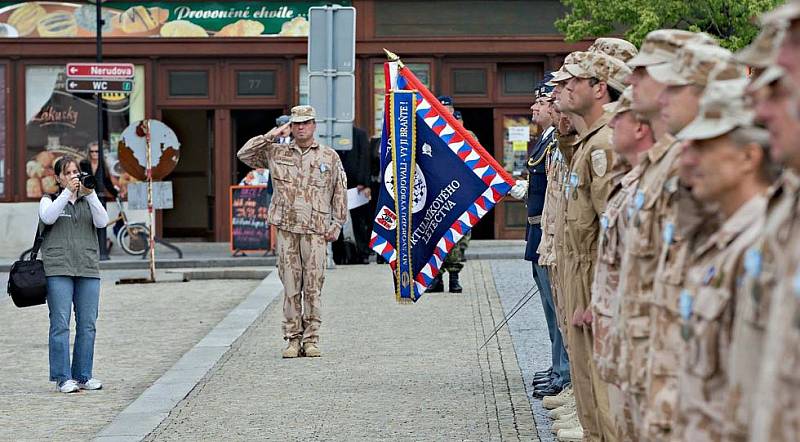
100,70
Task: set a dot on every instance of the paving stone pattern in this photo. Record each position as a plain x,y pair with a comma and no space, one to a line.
513,280
387,372
142,331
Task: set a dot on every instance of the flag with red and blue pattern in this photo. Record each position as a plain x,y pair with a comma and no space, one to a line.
455,183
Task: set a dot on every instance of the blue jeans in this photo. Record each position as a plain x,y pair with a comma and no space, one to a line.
560,360
64,292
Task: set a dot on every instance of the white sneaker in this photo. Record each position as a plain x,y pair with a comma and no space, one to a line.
91,384
69,386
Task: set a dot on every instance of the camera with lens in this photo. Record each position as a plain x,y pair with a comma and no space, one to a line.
87,180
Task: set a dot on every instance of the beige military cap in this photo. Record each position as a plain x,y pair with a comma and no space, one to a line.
697,64
784,13
766,78
561,74
623,104
661,46
601,66
303,113
722,109
615,47
763,51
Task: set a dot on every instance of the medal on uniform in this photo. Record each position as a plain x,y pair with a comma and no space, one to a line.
668,234
603,231
796,287
638,202
752,267
712,271
685,306
574,180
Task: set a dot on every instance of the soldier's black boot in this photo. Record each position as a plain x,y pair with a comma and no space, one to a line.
437,285
455,287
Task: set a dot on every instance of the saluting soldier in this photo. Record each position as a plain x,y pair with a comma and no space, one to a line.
309,207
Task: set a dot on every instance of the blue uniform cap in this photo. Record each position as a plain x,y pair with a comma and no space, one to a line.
542,89
457,115
283,119
445,100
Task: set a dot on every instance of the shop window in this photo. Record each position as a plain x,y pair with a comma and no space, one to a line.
517,131
255,83
517,82
421,70
59,123
3,133
302,100
467,81
188,83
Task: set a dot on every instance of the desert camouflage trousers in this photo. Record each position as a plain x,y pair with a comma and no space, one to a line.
453,261
301,267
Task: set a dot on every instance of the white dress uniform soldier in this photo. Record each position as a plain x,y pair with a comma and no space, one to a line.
309,207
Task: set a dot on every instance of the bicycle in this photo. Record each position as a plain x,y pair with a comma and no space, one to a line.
133,238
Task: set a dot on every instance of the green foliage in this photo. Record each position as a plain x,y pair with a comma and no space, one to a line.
729,20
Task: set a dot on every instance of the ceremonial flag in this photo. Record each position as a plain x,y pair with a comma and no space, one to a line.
436,184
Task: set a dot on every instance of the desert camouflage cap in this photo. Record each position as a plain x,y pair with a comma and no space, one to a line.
623,104
763,51
766,78
615,47
722,109
661,46
698,64
303,113
561,74
784,13
601,66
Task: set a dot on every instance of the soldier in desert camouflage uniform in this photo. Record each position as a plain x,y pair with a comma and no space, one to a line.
729,168
632,138
308,208
643,241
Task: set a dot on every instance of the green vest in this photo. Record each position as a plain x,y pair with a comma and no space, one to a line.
70,247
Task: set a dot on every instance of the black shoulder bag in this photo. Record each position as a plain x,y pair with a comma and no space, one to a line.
27,283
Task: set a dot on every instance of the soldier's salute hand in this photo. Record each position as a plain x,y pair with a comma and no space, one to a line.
280,131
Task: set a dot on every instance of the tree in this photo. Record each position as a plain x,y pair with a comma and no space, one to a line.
731,21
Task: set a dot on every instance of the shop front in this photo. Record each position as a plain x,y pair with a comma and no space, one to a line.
216,92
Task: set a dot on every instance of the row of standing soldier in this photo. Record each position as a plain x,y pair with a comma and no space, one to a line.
662,199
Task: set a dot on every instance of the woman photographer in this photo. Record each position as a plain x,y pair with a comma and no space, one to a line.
70,255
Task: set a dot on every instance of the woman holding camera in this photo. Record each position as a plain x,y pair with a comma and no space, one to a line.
70,255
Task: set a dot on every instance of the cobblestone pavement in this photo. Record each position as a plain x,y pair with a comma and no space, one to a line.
387,372
141,331
513,280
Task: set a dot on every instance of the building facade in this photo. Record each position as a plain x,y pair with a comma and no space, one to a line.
217,92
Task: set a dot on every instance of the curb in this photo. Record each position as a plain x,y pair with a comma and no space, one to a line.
143,264
142,416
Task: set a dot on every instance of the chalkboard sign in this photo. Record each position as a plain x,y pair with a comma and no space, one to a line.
249,228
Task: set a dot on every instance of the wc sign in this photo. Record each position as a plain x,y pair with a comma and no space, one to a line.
100,78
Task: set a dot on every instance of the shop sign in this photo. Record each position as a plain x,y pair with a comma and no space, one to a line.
158,18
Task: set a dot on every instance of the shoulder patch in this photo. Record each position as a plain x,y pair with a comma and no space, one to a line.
599,162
